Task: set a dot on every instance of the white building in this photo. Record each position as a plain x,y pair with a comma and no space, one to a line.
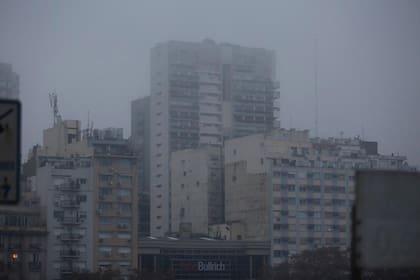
65,187
295,191
197,190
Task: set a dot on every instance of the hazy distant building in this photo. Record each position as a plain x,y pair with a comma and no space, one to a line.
197,190
140,140
9,82
201,93
23,235
295,191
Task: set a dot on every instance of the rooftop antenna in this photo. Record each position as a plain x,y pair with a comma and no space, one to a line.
54,106
316,82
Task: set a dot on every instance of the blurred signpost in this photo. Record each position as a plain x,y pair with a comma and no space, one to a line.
10,120
386,220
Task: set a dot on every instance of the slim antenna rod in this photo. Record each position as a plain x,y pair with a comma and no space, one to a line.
316,83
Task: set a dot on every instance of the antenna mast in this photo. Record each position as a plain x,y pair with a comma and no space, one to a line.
54,106
316,83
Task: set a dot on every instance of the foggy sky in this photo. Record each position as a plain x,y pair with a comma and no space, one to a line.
95,54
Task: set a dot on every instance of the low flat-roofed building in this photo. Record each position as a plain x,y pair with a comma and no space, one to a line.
203,258
23,236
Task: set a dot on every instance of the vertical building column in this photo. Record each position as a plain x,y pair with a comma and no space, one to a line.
250,267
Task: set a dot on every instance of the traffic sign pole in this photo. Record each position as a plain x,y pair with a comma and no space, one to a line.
10,141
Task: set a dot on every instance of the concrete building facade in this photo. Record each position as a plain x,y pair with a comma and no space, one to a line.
140,140
197,190
115,191
295,191
201,92
65,187
9,82
23,235
89,191
203,258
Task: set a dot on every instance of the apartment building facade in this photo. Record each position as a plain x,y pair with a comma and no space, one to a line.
295,191
89,190
140,140
115,191
65,186
23,235
197,190
201,92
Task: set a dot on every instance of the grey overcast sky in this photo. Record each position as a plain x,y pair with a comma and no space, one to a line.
95,54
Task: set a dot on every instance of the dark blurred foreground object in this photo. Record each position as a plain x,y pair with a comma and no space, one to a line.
115,275
323,263
386,225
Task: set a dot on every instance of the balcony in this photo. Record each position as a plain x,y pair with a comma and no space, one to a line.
70,221
35,266
70,237
69,253
69,204
69,270
70,186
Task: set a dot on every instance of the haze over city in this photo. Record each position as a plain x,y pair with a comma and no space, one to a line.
209,140
95,55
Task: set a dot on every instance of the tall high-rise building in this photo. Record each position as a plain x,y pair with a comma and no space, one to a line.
296,191
140,141
201,93
9,82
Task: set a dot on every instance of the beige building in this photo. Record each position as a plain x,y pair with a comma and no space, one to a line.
295,191
115,192
23,236
197,190
90,183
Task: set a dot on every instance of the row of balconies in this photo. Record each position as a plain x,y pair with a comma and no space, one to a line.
109,255
70,236
113,212
71,221
70,253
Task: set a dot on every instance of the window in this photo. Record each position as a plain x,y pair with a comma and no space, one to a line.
125,236
124,192
105,191
125,180
105,205
104,235
106,220
281,253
